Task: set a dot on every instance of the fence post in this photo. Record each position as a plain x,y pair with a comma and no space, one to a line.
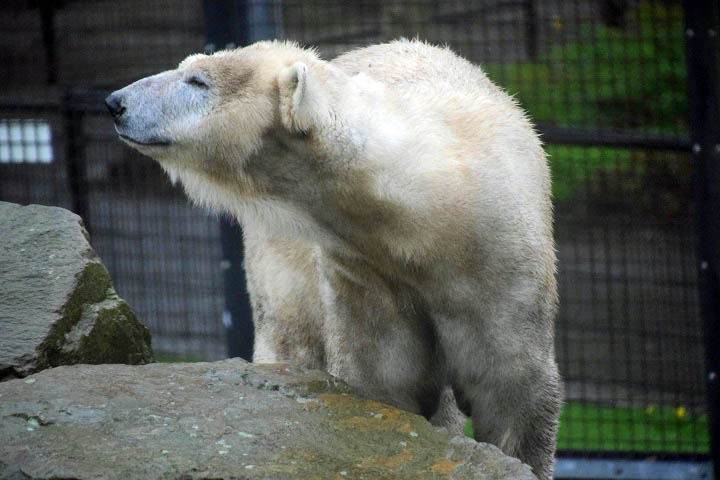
230,23
75,158
702,27
531,29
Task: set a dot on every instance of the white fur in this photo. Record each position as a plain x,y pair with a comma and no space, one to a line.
397,218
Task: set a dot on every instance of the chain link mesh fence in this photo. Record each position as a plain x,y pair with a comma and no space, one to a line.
603,80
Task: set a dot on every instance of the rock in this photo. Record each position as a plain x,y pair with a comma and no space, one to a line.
222,420
57,302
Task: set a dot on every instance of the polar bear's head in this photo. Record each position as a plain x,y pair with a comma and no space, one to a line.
214,113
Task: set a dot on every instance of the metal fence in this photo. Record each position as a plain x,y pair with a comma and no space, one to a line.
606,82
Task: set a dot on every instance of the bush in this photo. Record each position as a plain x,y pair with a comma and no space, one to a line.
632,77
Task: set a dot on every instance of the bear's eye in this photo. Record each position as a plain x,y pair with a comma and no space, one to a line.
196,81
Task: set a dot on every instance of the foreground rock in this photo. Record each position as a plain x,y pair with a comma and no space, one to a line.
57,303
222,420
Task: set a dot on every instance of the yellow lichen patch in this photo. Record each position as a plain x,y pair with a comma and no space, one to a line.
391,463
443,466
392,413
345,402
368,415
311,406
296,454
373,423
291,461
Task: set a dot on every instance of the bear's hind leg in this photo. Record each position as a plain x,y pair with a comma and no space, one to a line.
448,415
517,410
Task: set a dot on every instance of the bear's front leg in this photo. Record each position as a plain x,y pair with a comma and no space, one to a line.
287,312
375,337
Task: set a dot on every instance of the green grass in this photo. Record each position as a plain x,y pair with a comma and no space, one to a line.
653,429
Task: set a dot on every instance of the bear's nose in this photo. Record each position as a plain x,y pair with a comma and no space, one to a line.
113,102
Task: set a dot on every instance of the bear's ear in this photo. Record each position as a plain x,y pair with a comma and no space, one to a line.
302,100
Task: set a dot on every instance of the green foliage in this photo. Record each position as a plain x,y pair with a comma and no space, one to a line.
630,77
615,77
573,168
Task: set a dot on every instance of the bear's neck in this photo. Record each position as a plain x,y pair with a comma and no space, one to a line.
316,194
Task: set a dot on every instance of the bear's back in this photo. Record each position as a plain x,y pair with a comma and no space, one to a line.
447,99
437,82
410,63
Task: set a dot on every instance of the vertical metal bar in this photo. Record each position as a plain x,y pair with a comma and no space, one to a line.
702,26
75,159
47,19
237,316
229,23
531,35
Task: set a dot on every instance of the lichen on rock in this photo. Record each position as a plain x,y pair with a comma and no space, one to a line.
57,302
187,421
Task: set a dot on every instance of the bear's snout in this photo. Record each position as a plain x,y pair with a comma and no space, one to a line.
114,104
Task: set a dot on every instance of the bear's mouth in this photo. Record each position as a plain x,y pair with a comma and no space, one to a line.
145,143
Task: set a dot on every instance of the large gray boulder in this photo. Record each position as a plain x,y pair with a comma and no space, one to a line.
57,303
223,420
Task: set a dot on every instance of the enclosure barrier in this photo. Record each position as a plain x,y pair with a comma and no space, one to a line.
624,94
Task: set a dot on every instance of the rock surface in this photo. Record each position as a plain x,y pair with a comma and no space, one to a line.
57,303
223,420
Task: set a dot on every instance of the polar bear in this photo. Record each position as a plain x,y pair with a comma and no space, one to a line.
397,219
